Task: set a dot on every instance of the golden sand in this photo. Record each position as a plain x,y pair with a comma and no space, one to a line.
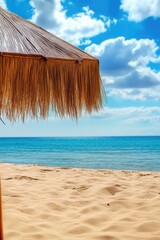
49,203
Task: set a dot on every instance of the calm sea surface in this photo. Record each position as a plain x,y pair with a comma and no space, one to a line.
132,153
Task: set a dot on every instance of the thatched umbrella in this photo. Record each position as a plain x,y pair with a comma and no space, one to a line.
40,72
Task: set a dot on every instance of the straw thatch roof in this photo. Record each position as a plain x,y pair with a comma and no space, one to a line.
39,72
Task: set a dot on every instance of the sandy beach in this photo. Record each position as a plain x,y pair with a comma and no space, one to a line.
47,203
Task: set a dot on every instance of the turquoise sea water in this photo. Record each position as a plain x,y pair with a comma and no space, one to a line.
132,153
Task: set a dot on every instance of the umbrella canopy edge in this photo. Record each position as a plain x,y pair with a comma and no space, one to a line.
31,86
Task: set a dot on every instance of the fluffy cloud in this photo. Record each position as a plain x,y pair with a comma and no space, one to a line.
136,94
77,29
130,114
3,4
142,77
139,10
119,55
125,65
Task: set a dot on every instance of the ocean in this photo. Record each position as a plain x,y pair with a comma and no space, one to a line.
127,153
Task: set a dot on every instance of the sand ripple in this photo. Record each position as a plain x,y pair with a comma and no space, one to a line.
72,204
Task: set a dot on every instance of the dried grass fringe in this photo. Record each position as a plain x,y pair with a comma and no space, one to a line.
32,86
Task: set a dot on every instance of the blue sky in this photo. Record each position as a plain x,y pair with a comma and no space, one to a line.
125,36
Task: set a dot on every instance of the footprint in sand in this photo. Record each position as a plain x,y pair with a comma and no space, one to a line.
25,178
112,190
46,170
21,178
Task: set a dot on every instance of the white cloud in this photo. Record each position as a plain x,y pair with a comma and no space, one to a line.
143,119
130,115
77,29
3,4
119,55
125,67
86,42
136,94
123,115
140,10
